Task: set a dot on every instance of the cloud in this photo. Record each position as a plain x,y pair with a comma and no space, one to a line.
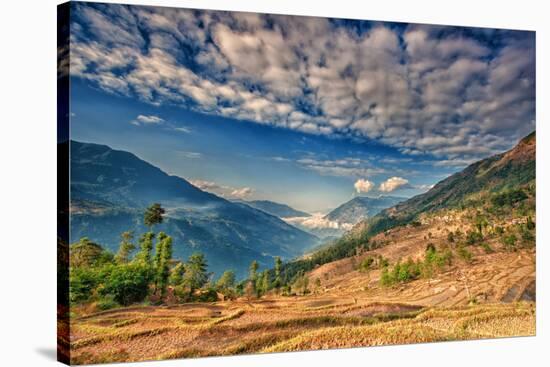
363,185
242,192
189,155
182,129
444,91
393,183
344,167
223,190
318,221
147,120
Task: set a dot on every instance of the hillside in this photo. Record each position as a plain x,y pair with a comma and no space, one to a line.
110,188
276,209
361,208
500,172
494,185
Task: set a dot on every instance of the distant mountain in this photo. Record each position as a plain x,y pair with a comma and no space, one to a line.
361,208
503,171
332,225
276,209
110,189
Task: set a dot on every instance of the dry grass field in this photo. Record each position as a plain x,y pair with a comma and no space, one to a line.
283,324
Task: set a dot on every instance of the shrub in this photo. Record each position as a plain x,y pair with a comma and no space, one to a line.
464,254
126,283
473,237
510,242
488,249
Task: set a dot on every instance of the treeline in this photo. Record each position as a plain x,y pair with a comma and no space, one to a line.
146,272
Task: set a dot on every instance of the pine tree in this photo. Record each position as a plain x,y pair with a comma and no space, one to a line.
146,246
278,282
126,247
195,272
153,215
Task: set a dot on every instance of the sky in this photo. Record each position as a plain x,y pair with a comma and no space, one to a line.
304,111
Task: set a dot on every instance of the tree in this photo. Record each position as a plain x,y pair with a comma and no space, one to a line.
195,272
164,255
226,281
153,215
126,283
253,270
126,247
265,284
176,274
146,246
86,253
278,281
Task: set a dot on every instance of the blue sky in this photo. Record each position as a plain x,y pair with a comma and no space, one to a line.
304,111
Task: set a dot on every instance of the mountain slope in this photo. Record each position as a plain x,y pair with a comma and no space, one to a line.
361,207
476,185
276,209
110,188
503,171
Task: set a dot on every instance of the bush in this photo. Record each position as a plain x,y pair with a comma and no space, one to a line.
126,283
82,283
208,295
510,242
488,249
106,303
473,237
464,254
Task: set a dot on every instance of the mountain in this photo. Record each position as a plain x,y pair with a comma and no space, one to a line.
276,209
497,173
361,207
334,224
509,176
110,189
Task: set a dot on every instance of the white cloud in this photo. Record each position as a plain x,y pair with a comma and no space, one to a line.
392,184
225,191
242,192
318,221
420,90
147,120
363,185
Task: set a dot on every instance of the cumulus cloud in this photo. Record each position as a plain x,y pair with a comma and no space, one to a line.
422,89
393,183
363,185
147,120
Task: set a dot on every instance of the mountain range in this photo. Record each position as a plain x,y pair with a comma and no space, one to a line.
110,189
273,208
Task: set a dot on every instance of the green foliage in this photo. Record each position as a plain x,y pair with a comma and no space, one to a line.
153,215
508,197
146,247
162,262
277,282
464,254
473,237
510,242
226,281
126,247
176,274
208,295
488,249
82,283
86,253
253,270
125,283
195,272
301,284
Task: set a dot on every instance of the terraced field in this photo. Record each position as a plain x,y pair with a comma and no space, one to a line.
283,324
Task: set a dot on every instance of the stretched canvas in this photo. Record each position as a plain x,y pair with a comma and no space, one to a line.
234,183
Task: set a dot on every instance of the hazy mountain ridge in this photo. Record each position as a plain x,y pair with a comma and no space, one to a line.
273,208
110,188
362,207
